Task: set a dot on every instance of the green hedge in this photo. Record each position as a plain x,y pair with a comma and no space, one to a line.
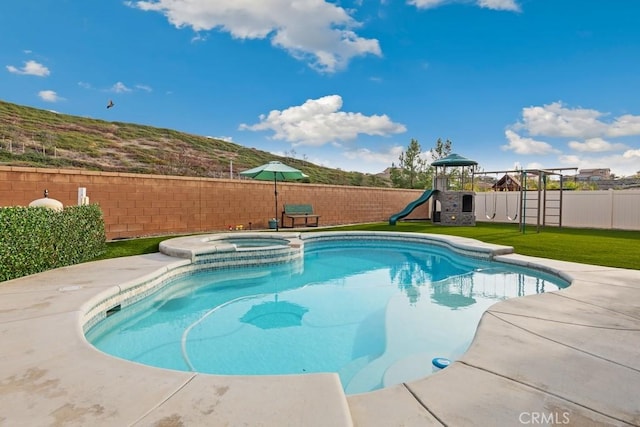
39,239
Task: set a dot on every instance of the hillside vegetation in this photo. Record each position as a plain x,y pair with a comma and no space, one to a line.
41,138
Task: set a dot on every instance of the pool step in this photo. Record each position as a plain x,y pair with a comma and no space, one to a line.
351,369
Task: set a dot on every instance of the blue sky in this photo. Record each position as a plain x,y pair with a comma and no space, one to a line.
346,84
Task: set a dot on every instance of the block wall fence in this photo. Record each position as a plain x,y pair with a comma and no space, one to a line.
136,205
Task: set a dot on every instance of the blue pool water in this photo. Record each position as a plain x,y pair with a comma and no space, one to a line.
375,312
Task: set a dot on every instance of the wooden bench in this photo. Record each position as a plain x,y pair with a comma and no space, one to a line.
294,212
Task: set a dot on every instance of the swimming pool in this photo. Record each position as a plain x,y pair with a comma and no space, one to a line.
376,311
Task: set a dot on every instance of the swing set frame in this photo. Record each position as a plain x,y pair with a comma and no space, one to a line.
542,208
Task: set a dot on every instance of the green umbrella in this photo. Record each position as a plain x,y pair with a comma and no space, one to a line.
274,171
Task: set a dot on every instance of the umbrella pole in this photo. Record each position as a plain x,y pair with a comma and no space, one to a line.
275,190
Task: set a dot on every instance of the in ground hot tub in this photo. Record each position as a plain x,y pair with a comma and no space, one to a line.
253,241
226,250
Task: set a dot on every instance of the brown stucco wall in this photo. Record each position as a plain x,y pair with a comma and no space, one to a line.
143,205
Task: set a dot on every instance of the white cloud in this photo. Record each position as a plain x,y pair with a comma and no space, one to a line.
534,165
556,120
570,159
364,160
428,4
316,31
198,37
365,156
595,145
586,132
625,125
49,96
144,88
320,121
522,145
632,155
120,87
31,68
510,5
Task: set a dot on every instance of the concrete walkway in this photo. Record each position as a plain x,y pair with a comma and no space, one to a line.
565,358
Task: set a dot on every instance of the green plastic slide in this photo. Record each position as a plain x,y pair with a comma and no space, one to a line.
411,206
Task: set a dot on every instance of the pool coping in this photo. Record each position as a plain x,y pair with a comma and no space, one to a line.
560,356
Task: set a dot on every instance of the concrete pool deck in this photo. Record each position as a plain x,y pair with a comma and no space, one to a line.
567,358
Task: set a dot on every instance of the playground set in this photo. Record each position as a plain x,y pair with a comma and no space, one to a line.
452,197
535,204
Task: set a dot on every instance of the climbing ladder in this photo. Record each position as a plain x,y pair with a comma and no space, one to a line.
529,204
540,205
552,209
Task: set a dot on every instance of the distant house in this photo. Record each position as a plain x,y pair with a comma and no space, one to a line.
507,183
484,182
593,174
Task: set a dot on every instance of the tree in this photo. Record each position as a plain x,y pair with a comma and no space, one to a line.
412,171
441,150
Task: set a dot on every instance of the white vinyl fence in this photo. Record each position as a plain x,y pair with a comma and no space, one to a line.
607,209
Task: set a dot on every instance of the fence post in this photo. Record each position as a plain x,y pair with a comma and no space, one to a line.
611,200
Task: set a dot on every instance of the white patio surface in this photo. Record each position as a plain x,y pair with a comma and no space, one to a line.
571,357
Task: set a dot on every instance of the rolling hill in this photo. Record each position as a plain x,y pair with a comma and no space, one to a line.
40,138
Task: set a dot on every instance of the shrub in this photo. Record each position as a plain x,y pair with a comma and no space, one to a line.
39,239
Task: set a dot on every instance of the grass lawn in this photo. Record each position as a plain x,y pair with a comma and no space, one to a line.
130,247
611,248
